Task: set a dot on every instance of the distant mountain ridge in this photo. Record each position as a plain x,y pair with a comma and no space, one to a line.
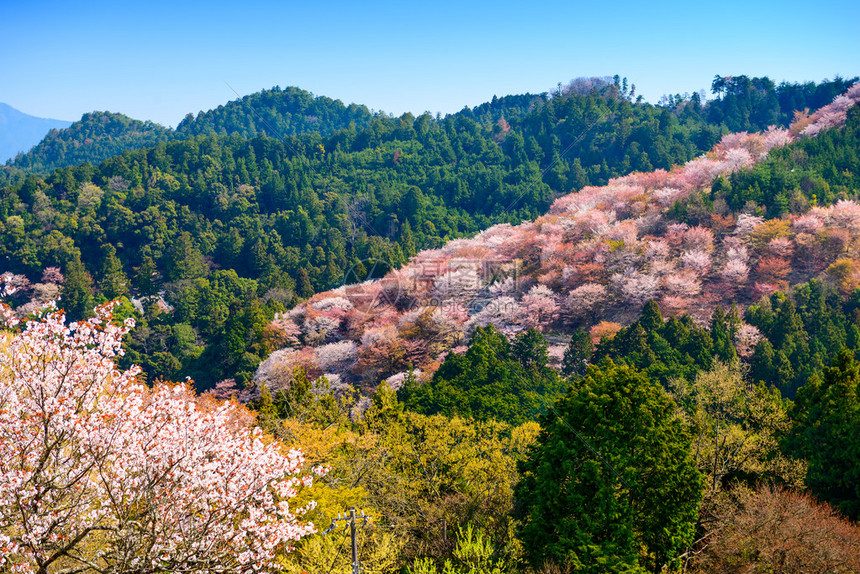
276,113
19,131
94,138
743,104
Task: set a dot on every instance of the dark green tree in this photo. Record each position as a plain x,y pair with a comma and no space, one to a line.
651,318
303,284
495,379
826,432
77,295
577,354
610,485
114,283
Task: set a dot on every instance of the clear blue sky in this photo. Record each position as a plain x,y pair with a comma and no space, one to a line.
162,59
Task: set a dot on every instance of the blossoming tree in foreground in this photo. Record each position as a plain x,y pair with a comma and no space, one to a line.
98,473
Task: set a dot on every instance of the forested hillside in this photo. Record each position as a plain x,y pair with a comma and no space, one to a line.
739,309
94,138
277,113
234,230
742,103
679,237
531,382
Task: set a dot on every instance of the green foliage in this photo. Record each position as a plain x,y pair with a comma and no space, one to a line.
277,113
494,379
676,348
610,485
474,553
736,428
576,355
826,432
803,330
753,104
301,214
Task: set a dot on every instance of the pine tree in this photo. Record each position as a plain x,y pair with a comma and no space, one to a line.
577,354
303,284
77,295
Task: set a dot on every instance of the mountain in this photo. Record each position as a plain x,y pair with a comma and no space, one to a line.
219,233
758,214
277,113
19,131
92,139
742,103
233,230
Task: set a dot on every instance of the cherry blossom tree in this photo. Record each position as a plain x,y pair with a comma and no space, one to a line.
746,338
636,288
539,307
846,214
696,260
747,223
53,275
278,371
683,284
98,473
585,301
809,223
736,272
777,137
699,238
337,357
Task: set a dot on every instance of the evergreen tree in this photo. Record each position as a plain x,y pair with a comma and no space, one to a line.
77,294
114,283
577,354
610,485
826,432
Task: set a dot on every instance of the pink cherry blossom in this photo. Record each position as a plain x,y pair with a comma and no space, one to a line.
698,261
97,468
747,223
746,339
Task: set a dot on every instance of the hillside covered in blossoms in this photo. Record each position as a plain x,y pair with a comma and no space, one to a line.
759,213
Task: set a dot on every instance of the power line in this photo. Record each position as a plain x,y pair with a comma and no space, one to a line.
351,520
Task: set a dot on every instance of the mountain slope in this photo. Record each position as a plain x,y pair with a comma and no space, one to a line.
19,131
592,261
94,138
233,229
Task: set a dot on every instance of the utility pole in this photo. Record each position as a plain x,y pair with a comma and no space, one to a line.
356,565
353,531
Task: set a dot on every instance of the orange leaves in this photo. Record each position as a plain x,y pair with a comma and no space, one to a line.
845,274
603,329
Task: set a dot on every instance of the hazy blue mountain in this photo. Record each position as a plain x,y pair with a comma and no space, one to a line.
19,131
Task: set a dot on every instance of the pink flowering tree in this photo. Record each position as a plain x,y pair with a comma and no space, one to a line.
98,473
539,307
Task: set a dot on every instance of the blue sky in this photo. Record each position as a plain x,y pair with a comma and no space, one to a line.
160,60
